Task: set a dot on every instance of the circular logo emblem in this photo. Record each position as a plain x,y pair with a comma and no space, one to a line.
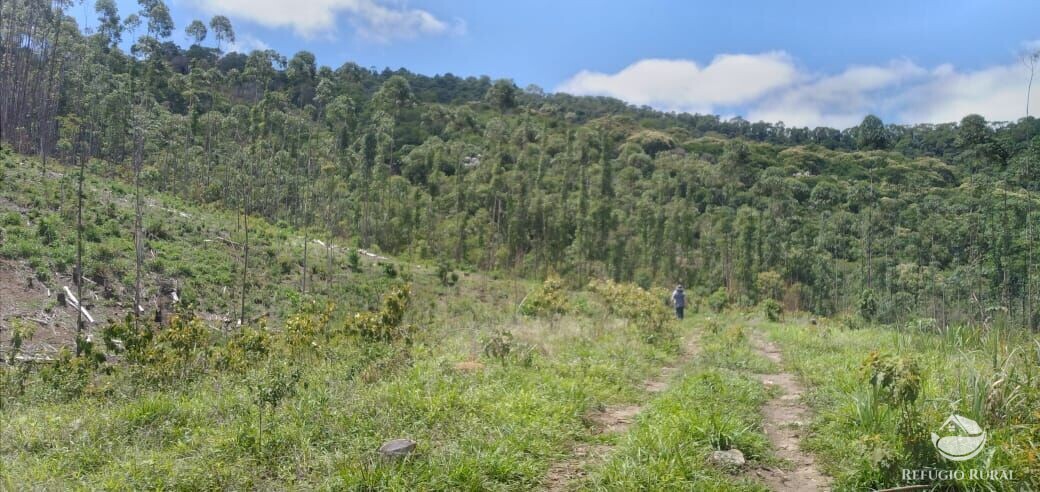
964,441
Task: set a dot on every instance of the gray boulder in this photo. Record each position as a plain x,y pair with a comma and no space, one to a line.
729,458
397,448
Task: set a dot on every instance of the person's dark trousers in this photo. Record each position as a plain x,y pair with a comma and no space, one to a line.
679,312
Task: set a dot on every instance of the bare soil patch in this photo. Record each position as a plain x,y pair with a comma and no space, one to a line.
784,420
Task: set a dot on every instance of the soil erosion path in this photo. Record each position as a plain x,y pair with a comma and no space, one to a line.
615,419
784,418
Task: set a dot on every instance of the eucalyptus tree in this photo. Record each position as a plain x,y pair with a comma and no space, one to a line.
223,32
110,26
135,125
160,22
34,42
870,134
460,121
81,157
392,97
603,211
1031,59
368,159
260,69
502,95
301,73
196,31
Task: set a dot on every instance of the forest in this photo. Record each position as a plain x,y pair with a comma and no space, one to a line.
928,220
278,198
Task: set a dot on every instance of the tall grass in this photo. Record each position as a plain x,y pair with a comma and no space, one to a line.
989,374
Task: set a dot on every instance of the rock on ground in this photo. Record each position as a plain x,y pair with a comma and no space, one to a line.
397,448
728,458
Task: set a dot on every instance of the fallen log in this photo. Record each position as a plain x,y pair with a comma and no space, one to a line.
34,359
75,303
69,296
223,240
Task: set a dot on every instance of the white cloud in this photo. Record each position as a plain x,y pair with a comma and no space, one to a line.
684,85
245,43
372,20
838,101
769,87
998,93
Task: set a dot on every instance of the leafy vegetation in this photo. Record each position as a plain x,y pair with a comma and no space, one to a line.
875,412
548,300
645,309
709,409
289,264
936,220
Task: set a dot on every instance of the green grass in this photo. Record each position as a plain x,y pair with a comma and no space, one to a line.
727,345
712,404
991,376
498,428
501,427
196,248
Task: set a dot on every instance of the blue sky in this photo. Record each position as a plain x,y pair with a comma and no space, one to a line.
802,62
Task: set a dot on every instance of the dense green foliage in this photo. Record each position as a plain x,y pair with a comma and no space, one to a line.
937,220
218,190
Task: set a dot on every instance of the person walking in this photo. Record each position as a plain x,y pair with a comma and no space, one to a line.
679,301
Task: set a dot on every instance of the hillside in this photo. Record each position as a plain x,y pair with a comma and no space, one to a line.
925,221
294,276
502,383
194,260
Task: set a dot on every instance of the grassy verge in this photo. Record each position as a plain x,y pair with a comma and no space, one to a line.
494,425
713,404
866,434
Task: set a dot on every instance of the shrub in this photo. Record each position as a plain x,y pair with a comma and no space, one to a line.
734,335
501,345
718,300
304,328
246,347
897,378
354,261
769,284
446,276
47,230
712,325
123,338
179,350
646,310
386,324
896,381
867,307
20,332
269,388
156,230
851,322
772,310
548,299
12,219
69,375
286,262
